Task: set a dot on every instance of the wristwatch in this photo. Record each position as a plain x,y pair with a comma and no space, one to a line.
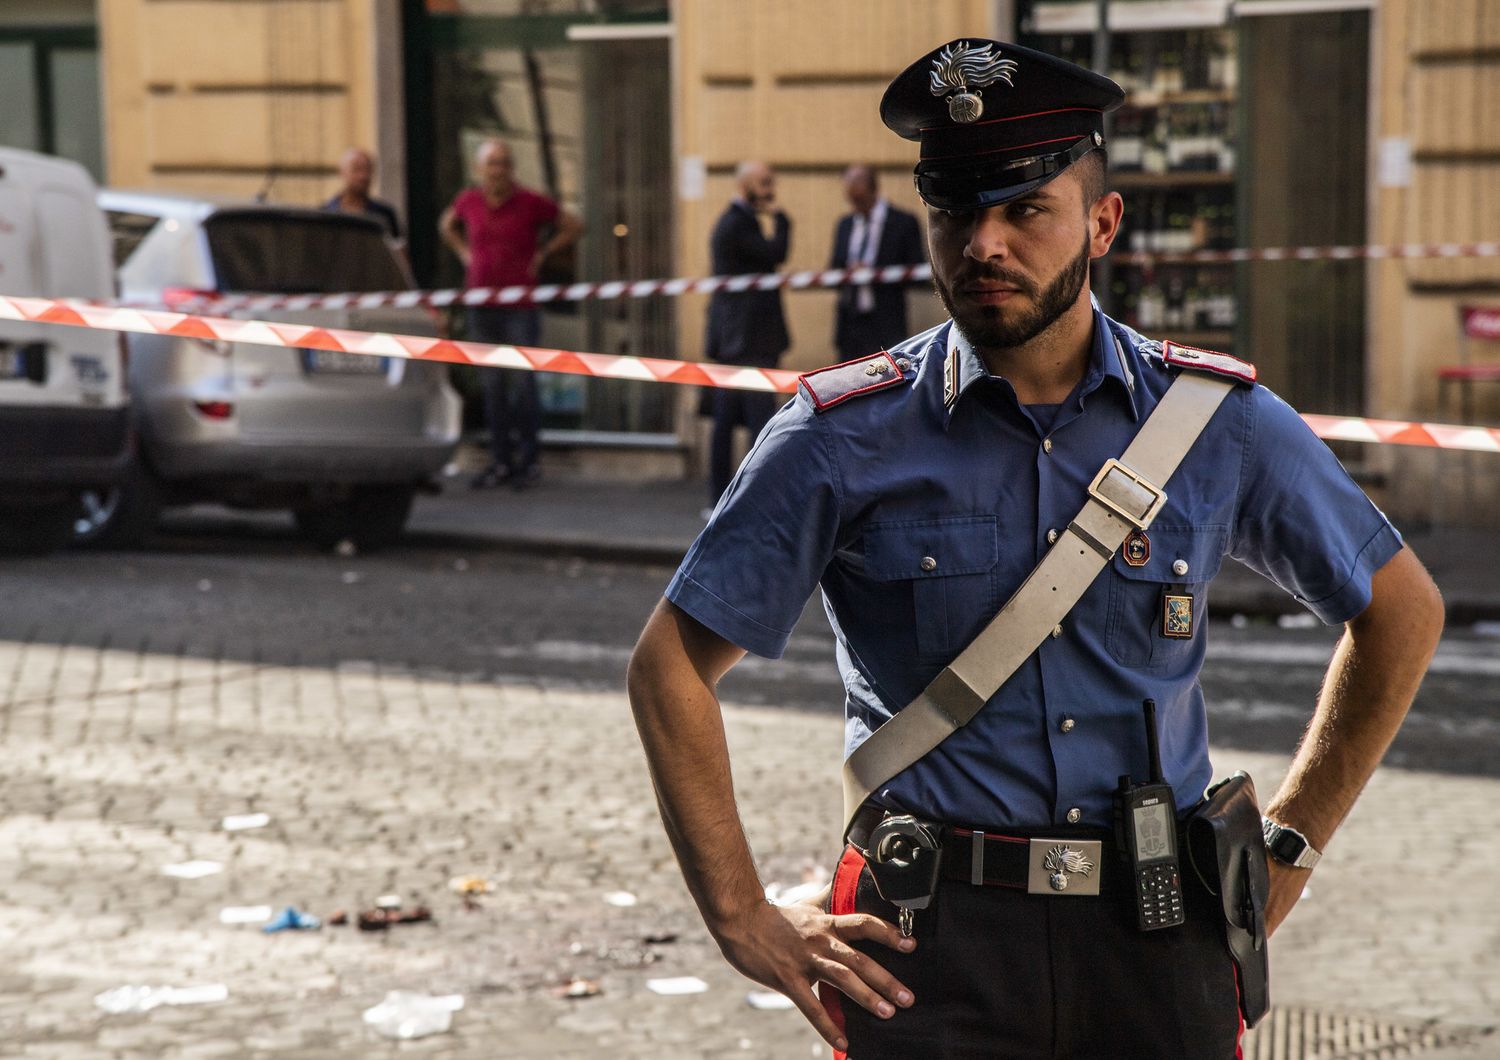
1289,846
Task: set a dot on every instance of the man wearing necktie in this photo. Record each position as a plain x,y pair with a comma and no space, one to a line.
872,317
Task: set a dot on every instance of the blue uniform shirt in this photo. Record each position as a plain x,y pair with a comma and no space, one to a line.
857,497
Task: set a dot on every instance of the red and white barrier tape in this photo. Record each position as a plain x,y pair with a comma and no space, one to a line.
381,344
571,292
193,301
599,365
1357,253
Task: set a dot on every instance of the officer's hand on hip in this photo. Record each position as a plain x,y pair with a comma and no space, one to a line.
792,948
1286,888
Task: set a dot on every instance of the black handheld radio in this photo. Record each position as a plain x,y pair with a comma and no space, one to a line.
1146,815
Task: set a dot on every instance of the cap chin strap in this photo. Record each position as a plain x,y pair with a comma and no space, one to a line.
1125,495
1033,172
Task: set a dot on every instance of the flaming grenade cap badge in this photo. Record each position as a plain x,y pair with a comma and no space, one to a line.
1062,860
961,70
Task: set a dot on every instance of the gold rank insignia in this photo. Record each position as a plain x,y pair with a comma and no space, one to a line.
1137,549
1177,615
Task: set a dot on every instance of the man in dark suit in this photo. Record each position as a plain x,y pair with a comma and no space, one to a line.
872,317
745,327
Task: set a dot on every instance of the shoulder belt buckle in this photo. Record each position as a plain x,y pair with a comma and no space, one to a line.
1127,493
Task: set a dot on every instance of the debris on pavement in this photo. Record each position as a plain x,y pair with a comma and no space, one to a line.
659,938
192,870
388,901
293,919
470,888
620,899
379,919
578,988
404,1014
238,822
673,987
815,877
245,914
768,1000
140,998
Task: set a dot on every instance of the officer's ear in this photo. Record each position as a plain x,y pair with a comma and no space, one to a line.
1105,216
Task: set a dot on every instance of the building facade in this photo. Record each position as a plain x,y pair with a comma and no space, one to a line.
635,112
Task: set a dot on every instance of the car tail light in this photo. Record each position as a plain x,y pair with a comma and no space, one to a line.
215,410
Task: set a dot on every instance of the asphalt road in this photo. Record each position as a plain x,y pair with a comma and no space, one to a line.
246,588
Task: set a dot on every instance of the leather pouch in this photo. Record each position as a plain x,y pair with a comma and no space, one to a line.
1228,852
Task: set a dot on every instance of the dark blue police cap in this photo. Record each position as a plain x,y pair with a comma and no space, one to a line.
996,121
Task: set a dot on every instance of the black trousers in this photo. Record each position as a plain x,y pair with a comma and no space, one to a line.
731,408
1000,974
512,405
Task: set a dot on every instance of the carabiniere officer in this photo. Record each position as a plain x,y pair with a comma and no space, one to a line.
918,487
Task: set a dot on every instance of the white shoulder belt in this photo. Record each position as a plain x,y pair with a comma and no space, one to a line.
1125,495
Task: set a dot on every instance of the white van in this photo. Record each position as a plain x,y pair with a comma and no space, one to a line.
64,420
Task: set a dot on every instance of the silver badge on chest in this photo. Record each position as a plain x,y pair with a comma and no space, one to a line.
961,70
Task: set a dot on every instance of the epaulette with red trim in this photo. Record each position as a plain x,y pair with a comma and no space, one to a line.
838,383
1190,357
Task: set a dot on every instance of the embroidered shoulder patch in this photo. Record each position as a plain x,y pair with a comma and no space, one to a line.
1208,361
864,375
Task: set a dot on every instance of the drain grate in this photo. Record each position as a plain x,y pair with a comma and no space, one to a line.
1316,1034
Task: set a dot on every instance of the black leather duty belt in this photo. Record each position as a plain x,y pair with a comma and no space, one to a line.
1059,862
1060,865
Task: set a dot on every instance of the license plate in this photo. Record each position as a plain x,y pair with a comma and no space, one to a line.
337,362
12,365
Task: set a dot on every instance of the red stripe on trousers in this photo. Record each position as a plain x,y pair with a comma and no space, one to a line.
1239,1046
845,888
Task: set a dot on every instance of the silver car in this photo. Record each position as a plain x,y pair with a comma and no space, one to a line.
342,440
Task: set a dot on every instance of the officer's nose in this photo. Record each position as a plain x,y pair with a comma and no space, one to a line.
989,240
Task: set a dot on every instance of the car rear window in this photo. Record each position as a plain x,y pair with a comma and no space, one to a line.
290,254
127,231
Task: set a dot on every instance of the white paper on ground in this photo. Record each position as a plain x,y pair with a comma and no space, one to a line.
683,984
768,1000
244,914
192,870
238,822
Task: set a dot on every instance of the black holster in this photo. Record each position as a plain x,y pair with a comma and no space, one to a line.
1228,852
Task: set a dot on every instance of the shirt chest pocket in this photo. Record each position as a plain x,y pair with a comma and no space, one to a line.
1158,603
944,571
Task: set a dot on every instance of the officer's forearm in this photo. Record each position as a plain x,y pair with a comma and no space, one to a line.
1371,682
671,686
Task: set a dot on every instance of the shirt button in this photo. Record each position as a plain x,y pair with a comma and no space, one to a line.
1046,445
1066,725
1052,537
928,563
1075,815
1056,631
1180,567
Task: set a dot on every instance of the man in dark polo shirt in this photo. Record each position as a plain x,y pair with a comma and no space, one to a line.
357,172
495,228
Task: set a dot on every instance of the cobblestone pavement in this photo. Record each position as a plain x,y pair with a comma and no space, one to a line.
120,760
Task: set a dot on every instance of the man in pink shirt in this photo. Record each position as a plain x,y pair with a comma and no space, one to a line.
495,229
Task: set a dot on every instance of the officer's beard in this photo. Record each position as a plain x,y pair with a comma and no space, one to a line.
987,329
